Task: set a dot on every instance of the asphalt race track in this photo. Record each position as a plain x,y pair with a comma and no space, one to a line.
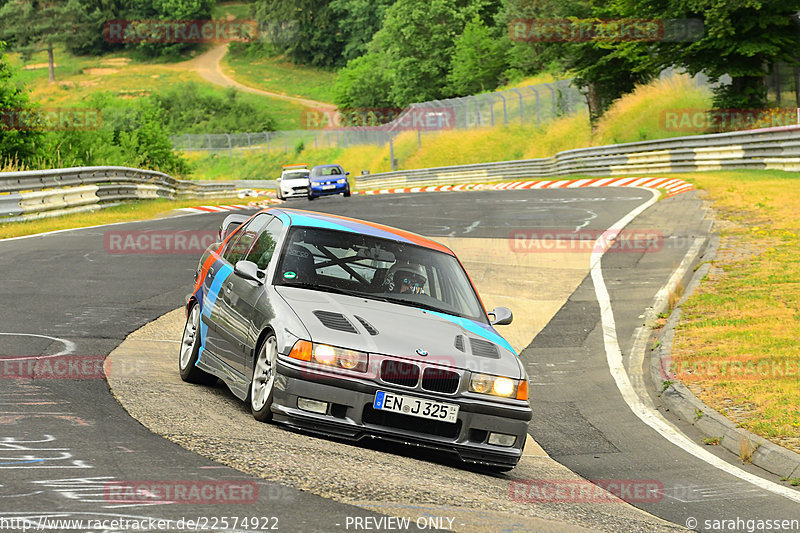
62,442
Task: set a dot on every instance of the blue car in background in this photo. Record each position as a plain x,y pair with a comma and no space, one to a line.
328,179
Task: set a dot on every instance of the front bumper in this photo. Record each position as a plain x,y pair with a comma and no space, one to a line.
294,190
324,189
350,416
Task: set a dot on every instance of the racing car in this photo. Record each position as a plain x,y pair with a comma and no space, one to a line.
352,329
294,181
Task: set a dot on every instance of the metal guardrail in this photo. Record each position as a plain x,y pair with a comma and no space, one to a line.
772,148
41,193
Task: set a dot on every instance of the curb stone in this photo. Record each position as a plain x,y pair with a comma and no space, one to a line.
678,398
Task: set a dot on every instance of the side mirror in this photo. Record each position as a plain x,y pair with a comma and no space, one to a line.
500,316
247,270
279,179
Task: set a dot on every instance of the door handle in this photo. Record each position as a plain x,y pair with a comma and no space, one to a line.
228,288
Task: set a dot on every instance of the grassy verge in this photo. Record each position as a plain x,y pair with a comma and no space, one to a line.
127,212
77,78
280,76
237,10
736,346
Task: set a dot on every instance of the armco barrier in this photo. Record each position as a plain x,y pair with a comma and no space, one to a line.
54,192
772,148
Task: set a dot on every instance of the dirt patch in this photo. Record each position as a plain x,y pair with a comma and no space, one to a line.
38,66
115,61
100,71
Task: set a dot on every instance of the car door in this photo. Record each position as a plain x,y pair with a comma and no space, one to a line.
254,306
240,295
226,328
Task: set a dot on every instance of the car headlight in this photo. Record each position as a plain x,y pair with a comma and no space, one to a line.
343,180
331,356
499,386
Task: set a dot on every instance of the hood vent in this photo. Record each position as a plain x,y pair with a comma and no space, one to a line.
335,321
459,344
367,326
483,348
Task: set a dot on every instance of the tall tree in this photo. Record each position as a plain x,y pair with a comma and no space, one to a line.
317,40
603,67
741,38
34,25
418,38
166,10
359,20
90,16
478,59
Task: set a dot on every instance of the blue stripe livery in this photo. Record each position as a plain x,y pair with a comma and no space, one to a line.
482,330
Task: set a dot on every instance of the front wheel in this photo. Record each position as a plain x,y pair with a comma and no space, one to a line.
347,192
279,195
263,382
190,351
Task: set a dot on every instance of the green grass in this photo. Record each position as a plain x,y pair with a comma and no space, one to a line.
742,324
77,78
126,212
238,10
280,76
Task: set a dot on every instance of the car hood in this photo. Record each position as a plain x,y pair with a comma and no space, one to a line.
399,330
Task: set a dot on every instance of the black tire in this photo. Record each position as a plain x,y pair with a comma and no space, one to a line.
278,194
347,192
262,385
190,350
310,196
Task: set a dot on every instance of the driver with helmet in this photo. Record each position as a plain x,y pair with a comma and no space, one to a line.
406,277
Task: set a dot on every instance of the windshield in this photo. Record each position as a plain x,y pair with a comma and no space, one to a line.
370,267
296,175
326,171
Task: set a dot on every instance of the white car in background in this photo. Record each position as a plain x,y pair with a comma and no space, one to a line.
294,181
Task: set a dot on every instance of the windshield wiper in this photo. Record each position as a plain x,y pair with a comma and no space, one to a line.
313,286
412,303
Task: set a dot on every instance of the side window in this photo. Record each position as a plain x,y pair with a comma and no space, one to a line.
240,243
264,247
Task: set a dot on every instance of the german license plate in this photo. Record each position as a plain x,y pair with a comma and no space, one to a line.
326,187
420,407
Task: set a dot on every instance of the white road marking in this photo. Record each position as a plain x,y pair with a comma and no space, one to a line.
472,226
615,365
69,346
